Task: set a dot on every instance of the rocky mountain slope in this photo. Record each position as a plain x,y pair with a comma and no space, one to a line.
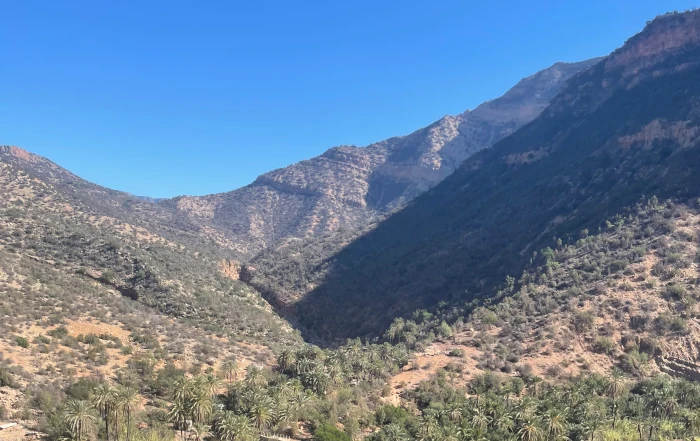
348,186
70,254
138,211
625,129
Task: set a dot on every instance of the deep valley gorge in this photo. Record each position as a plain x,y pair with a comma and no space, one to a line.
526,270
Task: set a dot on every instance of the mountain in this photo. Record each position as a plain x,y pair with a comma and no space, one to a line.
90,260
623,130
348,186
178,265
550,283
136,210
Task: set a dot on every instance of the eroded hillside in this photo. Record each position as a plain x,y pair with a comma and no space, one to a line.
66,268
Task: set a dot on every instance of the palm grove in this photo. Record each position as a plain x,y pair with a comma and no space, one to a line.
340,395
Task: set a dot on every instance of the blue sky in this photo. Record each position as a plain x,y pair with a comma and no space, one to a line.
162,98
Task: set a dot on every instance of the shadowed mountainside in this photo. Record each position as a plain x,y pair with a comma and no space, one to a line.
625,129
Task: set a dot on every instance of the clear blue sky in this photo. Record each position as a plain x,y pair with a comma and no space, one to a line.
162,98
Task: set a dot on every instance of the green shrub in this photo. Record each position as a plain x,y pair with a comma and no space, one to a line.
81,389
675,292
456,352
42,339
328,432
6,378
635,363
583,321
59,333
603,345
390,414
617,265
22,342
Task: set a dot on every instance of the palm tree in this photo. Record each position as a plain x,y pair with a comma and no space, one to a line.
103,400
127,398
525,409
261,412
373,353
317,380
427,427
335,373
465,430
282,412
532,386
232,427
555,423
515,388
449,433
454,411
80,417
478,391
529,432
209,383
200,404
178,415
229,370
591,427
394,432
480,421
287,360
614,385
200,432
503,422
283,392
255,375
182,389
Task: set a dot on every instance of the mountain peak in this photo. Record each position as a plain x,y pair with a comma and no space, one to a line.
19,153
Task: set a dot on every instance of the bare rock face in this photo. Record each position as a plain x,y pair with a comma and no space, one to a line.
230,268
346,187
236,270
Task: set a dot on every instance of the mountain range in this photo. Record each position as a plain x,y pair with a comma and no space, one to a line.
348,186
453,215
623,130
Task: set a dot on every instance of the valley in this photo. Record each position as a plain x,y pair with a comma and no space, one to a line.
527,270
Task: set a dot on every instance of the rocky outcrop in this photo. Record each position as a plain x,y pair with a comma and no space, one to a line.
236,270
230,268
679,368
18,153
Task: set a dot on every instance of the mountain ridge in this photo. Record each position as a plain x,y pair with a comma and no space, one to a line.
349,186
575,165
